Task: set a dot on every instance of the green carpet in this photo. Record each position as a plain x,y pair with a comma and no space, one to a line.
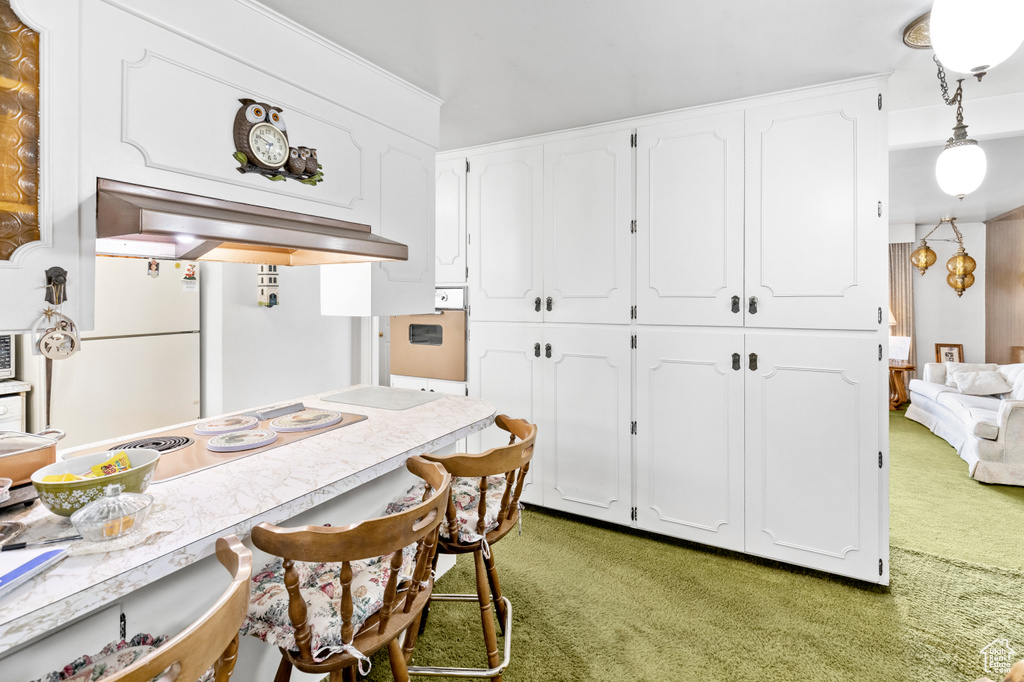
594,602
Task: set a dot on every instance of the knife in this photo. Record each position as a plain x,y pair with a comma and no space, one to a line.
24,545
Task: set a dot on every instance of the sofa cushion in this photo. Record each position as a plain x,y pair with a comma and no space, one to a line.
981,383
1015,377
979,414
928,389
954,367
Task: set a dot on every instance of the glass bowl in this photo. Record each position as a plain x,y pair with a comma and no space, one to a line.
114,515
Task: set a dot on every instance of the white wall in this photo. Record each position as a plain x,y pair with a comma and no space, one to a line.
941,317
254,355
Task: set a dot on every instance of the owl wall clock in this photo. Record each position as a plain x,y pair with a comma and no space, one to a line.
261,146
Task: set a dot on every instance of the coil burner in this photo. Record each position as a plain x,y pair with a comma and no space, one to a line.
162,444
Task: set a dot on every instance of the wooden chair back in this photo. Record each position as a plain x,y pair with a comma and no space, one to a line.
512,460
364,540
210,641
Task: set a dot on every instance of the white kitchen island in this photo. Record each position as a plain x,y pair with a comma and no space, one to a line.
337,477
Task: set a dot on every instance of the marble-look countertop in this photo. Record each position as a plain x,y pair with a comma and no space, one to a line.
9,386
271,486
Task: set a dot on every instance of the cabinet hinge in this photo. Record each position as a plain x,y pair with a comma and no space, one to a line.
879,101
467,273
879,209
879,352
632,428
632,341
632,312
879,315
880,567
879,459
124,627
467,165
633,516
632,140
632,226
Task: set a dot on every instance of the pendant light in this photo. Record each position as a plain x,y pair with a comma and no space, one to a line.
960,267
972,36
960,168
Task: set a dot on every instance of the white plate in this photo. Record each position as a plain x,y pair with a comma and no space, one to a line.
306,420
216,427
241,440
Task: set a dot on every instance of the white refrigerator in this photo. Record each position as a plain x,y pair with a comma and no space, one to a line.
138,369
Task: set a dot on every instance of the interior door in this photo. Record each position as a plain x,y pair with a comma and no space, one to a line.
812,452
586,427
689,215
689,461
450,222
504,368
588,207
505,210
814,188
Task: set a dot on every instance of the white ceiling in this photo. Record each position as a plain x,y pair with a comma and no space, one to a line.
520,67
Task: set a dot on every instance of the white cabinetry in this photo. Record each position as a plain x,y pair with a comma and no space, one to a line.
503,363
813,460
689,461
689,214
588,207
586,422
814,191
450,222
505,206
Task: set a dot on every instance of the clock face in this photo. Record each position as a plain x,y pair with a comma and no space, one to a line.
269,145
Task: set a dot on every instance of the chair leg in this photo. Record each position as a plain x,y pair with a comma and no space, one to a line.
492,578
284,671
343,675
225,665
398,666
483,594
411,635
426,609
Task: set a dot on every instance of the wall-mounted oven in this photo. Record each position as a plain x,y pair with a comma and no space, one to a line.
432,345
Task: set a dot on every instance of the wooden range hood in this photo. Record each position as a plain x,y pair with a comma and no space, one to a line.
146,221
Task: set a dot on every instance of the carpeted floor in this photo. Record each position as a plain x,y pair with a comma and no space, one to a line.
595,602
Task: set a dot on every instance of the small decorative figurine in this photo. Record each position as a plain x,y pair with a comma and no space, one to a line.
261,146
267,285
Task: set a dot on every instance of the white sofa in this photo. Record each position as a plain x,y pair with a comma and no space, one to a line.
987,431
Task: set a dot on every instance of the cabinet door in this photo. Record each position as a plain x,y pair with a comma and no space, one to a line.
815,170
689,215
505,205
588,208
450,222
689,462
586,423
505,370
812,476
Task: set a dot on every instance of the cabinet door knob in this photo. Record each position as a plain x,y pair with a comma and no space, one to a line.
549,304
547,350
735,304
753,362
536,350
736,361
536,304
752,305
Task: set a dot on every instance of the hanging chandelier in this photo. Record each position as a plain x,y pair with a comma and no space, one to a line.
960,267
961,166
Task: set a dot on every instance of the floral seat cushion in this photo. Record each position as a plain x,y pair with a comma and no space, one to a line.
320,586
113,658
466,495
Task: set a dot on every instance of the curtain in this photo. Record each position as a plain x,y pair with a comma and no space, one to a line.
901,293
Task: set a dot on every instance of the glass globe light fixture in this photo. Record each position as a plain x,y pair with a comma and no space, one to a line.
960,267
960,168
923,257
974,36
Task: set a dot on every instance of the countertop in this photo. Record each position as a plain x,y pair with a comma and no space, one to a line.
272,486
9,386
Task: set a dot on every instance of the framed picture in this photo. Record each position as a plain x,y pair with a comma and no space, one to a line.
1016,354
949,352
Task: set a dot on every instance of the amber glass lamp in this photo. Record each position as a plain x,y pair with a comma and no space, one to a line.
923,256
961,268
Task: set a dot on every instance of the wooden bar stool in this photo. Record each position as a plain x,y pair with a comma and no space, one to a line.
206,650
483,508
337,595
